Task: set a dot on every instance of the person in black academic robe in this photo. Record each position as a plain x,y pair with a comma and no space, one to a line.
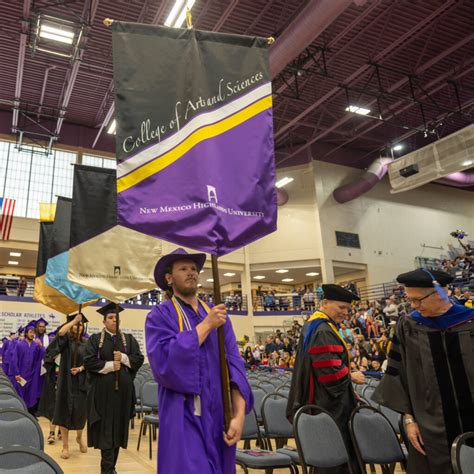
70,410
48,395
109,407
322,374
430,372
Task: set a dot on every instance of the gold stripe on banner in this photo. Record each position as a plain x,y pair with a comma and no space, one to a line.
194,139
53,298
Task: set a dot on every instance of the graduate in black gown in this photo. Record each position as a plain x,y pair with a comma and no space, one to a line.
48,394
70,410
109,407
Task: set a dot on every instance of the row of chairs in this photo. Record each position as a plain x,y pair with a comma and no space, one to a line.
318,439
21,437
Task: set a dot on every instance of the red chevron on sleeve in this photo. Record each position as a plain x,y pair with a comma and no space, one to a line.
333,377
319,364
323,349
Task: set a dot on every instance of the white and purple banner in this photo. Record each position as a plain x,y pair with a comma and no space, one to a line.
194,136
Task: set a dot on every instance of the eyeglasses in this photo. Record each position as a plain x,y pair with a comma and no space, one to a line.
418,301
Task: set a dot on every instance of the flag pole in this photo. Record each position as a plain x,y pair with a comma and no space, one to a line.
225,382
117,335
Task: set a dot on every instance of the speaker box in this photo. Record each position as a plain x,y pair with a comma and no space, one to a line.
409,171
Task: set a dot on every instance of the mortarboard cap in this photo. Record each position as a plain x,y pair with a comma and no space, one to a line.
20,329
338,293
70,317
109,308
424,279
42,320
30,325
52,333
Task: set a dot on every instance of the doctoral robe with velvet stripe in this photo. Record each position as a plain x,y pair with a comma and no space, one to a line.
430,375
322,377
190,442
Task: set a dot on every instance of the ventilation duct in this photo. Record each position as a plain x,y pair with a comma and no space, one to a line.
371,177
437,160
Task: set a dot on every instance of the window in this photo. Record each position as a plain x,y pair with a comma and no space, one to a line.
18,179
63,174
32,178
99,162
346,239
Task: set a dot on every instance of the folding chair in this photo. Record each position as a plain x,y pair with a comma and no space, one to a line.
27,460
8,400
277,425
149,398
19,428
375,440
462,454
260,458
318,439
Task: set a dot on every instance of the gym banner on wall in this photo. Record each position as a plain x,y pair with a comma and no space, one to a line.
194,137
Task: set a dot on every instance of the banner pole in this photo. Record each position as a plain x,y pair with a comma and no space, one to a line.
117,335
74,357
225,382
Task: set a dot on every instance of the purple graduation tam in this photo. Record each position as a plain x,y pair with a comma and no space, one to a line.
167,260
30,325
338,293
42,320
20,329
52,333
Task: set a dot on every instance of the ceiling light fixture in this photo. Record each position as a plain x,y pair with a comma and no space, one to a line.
178,13
229,274
357,110
397,147
464,163
210,280
281,271
312,274
112,127
259,277
56,34
12,262
287,280
284,181
15,254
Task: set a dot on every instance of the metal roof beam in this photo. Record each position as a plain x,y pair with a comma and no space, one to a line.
410,35
21,61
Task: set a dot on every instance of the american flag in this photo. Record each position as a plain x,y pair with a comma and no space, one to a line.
7,208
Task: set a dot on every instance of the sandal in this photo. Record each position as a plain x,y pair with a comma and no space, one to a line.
51,437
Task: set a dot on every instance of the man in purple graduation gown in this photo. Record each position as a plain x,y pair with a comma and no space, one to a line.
27,366
182,348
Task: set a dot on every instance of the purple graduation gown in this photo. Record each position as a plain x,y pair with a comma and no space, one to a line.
189,443
27,363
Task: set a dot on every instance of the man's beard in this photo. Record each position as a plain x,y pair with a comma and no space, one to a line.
186,290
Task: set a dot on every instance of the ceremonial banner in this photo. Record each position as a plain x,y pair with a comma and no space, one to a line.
107,258
43,293
57,266
194,136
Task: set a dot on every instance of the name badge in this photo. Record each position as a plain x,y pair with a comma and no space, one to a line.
197,405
